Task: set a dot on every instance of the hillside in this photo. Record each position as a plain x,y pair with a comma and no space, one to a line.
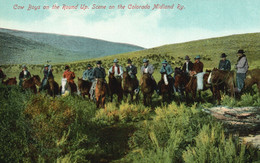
19,47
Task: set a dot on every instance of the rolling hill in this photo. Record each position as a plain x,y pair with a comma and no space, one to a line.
17,47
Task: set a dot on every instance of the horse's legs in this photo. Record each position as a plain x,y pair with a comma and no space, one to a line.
103,101
144,99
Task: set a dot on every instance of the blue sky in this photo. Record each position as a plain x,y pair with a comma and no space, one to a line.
148,28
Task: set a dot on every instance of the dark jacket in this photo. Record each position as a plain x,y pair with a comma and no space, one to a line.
2,75
132,69
190,66
99,73
47,74
22,76
198,67
224,65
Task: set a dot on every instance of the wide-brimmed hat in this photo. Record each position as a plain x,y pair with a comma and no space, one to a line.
240,51
99,62
115,60
129,61
187,57
46,65
145,60
67,67
24,66
89,65
223,55
164,62
197,57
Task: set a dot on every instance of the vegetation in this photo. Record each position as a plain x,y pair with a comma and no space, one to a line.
70,129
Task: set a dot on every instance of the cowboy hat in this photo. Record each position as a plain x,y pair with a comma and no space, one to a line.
164,62
223,55
129,61
240,51
197,57
24,66
99,62
187,57
115,60
46,65
145,60
67,67
89,65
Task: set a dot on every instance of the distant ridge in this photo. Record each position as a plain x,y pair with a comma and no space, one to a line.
18,47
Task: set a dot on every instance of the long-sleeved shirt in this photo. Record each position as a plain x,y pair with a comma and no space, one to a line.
88,75
166,69
69,76
149,69
224,65
99,73
242,65
117,70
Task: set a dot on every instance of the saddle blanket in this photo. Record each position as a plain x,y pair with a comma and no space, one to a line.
200,80
63,85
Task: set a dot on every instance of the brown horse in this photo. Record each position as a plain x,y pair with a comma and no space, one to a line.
252,77
221,79
10,81
84,87
100,92
181,80
52,87
166,89
129,86
147,88
191,87
31,83
115,87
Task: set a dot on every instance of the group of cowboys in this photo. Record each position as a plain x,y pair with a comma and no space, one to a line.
91,74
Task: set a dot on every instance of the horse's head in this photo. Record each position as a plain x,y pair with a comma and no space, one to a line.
214,75
146,79
178,80
37,80
111,75
177,70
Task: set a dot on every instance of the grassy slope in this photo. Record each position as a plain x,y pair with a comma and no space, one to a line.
58,48
209,49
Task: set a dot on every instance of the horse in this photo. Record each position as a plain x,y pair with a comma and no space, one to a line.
191,87
252,77
129,86
31,83
52,87
147,88
71,87
181,80
115,87
84,87
165,86
100,92
10,81
222,80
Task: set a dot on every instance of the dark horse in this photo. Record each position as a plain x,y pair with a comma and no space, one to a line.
115,87
84,87
181,80
129,86
10,81
147,87
191,87
252,77
166,87
31,83
52,87
100,92
221,79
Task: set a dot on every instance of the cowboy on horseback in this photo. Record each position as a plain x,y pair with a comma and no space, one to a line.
116,69
167,69
132,71
188,65
24,75
224,64
2,75
242,68
47,72
98,73
197,71
148,69
88,74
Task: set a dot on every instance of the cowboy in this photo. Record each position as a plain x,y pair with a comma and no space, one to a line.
224,64
242,68
89,74
2,75
47,72
116,69
69,75
98,73
148,69
131,69
166,68
24,75
198,65
188,65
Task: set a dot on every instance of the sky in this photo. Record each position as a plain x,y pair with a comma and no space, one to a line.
199,19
